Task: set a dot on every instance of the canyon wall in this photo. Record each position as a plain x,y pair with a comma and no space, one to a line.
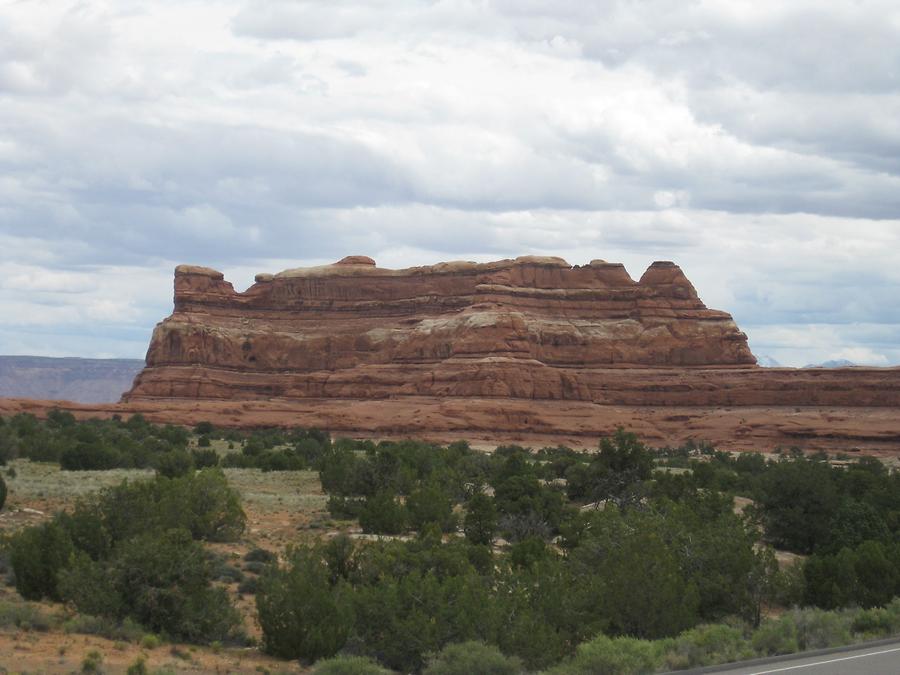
531,349
533,328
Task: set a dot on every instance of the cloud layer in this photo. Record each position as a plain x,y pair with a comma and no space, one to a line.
755,143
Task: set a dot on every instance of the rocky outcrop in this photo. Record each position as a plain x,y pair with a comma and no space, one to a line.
526,349
533,328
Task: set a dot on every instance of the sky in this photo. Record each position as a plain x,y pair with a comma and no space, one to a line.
756,143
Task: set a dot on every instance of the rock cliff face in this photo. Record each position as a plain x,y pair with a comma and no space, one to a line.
531,349
524,328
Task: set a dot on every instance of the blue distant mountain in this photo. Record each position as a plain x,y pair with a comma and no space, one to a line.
70,379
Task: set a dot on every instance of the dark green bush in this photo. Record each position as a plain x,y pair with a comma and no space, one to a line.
346,508
89,457
201,502
204,429
382,514
430,504
205,458
212,507
174,464
480,524
255,567
249,586
236,460
259,555
162,580
301,614
37,555
3,492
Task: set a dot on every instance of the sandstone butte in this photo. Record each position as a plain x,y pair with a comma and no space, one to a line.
532,350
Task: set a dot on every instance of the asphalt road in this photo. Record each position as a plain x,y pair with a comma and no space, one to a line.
879,660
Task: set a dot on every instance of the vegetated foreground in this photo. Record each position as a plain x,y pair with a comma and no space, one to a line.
262,550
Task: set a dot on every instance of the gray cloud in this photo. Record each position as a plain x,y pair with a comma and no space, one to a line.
755,142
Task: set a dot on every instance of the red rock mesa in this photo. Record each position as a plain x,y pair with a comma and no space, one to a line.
524,348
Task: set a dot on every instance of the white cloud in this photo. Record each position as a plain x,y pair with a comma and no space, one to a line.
754,142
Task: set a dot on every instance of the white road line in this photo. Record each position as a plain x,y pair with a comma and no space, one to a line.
822,663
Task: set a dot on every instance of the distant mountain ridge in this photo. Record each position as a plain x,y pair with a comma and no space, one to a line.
834,363
71,379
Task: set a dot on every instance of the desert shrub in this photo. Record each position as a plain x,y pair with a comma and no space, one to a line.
409,603
868,576
345,508
162,580
300,613
789,585
200,502
615,473
23,615
259,555
2,492
89,457
893,610
150,641
430,504
349,665
236,460
138,667
86,527
174,463
205,458
37,555
88,586
612,656
213,507
86,624
818,629
707,645
310,450
472,657
382,514
774,637
340,557
528,552
480,524
282,460
876,622
637,575
228,573
249,586
204,428
8,444
92,662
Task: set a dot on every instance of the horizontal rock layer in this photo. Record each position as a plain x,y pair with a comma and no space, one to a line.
530,348
491,421
524,328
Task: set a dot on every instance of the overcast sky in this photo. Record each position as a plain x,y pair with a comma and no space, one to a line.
756,143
